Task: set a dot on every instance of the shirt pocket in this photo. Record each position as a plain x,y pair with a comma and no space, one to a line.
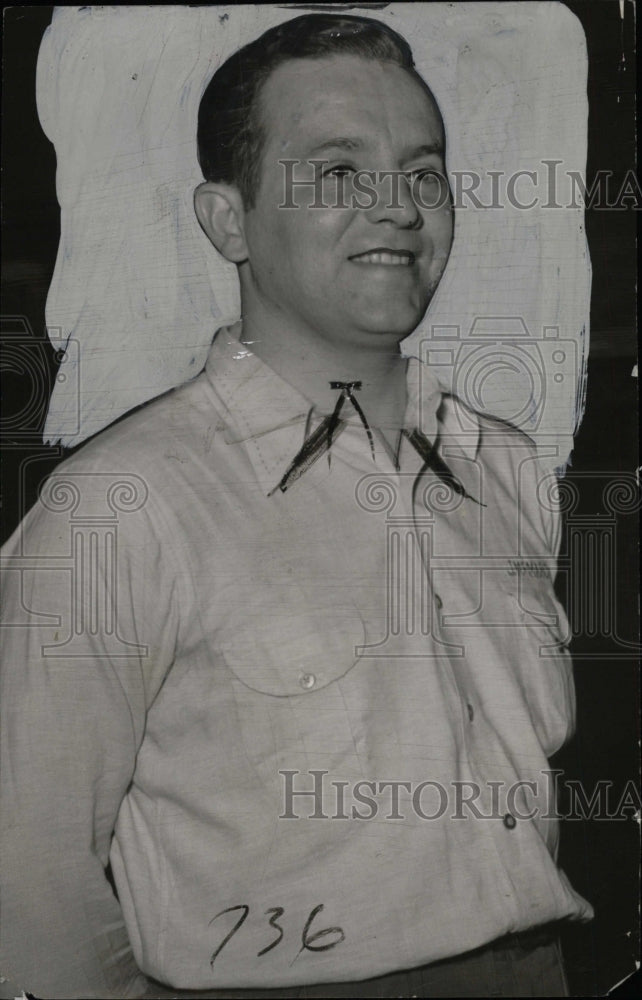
285,642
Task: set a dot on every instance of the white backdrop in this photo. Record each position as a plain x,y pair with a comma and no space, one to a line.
138,291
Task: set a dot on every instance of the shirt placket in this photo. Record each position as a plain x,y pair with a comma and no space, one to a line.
493,830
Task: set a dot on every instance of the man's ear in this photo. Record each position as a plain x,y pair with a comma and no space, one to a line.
219,210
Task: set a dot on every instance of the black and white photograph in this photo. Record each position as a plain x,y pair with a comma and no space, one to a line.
320,501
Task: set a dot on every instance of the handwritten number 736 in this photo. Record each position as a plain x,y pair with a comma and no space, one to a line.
275,912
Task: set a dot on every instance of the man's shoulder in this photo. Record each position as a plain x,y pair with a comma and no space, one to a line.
128,468
143,437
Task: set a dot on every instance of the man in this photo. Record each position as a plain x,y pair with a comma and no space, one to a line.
311,738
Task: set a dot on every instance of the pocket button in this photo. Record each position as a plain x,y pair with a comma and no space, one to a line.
307,681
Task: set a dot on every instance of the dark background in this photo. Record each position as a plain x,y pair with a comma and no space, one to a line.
599,856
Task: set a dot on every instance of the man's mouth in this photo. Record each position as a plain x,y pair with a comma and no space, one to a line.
385,256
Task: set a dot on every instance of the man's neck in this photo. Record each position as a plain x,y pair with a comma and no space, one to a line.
310,363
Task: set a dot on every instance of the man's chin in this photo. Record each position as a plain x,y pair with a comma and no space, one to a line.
396,323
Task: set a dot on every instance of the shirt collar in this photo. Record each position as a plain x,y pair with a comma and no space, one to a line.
256,401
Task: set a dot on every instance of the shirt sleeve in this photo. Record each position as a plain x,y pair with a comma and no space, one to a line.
549,492
89,624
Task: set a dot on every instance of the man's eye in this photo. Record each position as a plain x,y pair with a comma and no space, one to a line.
340,170
425,174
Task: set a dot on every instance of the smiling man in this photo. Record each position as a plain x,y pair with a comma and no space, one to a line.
318,763
335,286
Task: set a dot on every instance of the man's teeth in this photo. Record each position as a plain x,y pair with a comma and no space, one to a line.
381,257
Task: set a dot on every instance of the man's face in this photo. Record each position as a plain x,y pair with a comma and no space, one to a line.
363,275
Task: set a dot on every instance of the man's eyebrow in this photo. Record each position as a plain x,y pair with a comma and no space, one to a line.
353,145
339,142
427,149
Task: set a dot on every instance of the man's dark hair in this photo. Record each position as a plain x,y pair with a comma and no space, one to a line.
230,129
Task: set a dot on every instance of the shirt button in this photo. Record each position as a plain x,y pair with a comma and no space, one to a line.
439,602
510,822
307,681
471,711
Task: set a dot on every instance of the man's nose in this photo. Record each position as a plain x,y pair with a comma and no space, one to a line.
394,201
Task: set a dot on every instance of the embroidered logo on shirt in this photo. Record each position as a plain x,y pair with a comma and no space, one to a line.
528,567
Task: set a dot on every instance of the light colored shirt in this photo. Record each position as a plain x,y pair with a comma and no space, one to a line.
183,652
